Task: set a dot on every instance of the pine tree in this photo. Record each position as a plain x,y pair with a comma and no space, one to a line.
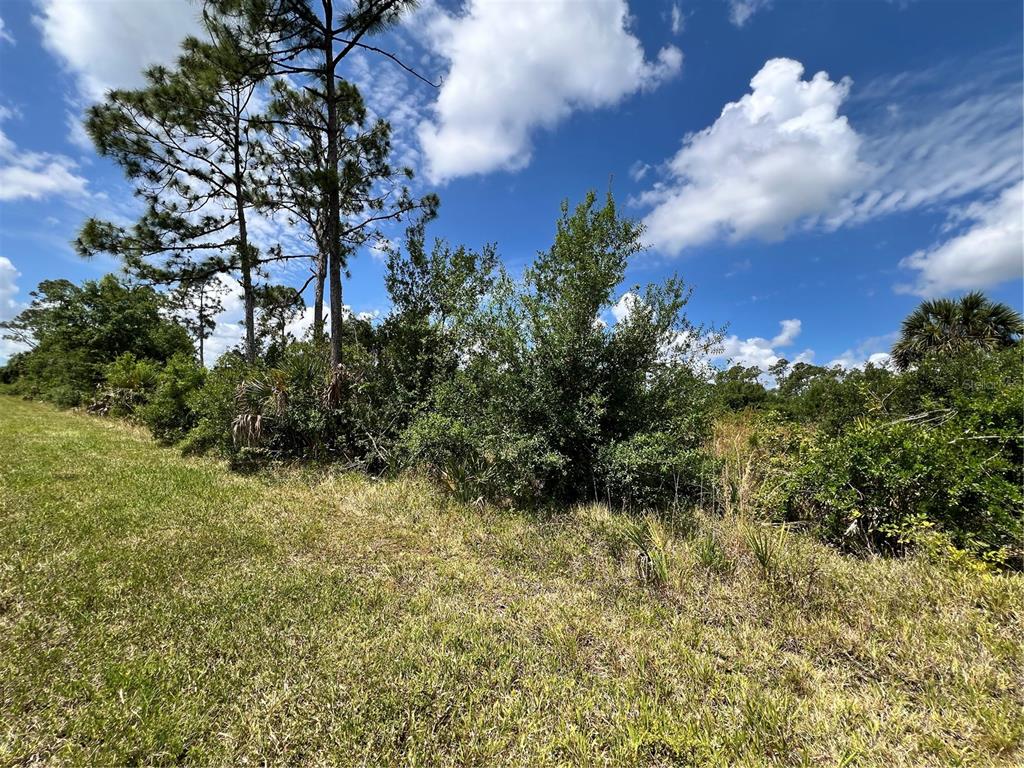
187,143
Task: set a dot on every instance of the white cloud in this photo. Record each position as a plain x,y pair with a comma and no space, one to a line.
516,68
624,306
763,353
677,21
108,44
790,330
780,154
9,306
989,252
5,34
34,175
740,11
935,141
638,170
851,359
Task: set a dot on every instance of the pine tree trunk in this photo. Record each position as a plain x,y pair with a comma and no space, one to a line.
245,257
318,297
333,211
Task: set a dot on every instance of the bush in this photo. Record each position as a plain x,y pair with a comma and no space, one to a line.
126,386
506,468
881,484
168,413
652,470
213,407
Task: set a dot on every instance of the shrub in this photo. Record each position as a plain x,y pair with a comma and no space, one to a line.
652,470
126,386
506,468
168,413
213,407
881,484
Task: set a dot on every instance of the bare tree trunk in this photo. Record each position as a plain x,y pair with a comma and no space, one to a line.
202,323
245,257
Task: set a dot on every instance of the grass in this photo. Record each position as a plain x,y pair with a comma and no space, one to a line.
157,610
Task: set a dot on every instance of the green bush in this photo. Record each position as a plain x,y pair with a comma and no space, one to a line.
168,413
214,408
506,468
126,387
652,470
880,484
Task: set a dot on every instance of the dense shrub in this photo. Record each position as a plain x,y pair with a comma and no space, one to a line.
168,412
948,456
654,470
126,386
881,484
213,407
472,464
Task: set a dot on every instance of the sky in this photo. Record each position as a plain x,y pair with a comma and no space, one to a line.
812,169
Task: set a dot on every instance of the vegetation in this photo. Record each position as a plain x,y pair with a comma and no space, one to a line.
163,610
504,528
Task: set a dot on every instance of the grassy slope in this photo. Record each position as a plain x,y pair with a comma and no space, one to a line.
157,609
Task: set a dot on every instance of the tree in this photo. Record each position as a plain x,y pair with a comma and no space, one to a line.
310,40
277,307
75,331
186,143
947,326
194,303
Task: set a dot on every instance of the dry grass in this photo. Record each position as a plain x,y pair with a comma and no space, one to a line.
155,609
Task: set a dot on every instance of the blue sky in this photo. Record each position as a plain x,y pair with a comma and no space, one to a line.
827,162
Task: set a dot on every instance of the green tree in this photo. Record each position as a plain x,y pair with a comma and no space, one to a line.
948,326
186,143
195,302
75,331
277,306
356,186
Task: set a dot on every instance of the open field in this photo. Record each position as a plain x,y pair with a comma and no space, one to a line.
155,609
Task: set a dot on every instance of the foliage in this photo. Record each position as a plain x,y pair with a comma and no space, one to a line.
168,412
213,407
947,326
954,463
76,331
126,387
541,373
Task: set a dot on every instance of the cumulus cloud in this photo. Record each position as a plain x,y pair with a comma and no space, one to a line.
990,251
35,175
108,44
780,154
515,68
740,11
763,353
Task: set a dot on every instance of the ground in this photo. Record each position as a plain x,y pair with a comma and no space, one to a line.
157,609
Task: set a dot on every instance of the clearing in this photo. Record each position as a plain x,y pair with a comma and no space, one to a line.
156,609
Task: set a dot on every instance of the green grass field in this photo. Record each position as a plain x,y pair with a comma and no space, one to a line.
155,609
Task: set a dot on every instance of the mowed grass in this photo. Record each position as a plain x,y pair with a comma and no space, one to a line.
155,610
